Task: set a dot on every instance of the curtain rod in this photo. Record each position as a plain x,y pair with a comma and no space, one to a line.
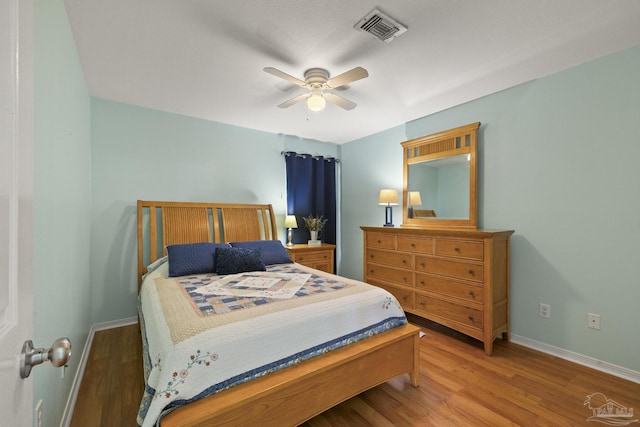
304,155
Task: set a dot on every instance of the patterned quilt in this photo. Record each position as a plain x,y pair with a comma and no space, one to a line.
205,333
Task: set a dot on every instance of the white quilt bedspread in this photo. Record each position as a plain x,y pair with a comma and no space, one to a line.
214,351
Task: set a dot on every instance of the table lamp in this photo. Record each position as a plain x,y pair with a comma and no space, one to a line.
388,197
290,222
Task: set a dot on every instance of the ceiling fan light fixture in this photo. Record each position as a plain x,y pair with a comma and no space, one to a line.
316,101
317,80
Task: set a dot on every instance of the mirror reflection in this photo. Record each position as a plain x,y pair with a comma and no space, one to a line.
439,188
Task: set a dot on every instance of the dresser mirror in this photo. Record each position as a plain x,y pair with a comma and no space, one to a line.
440,179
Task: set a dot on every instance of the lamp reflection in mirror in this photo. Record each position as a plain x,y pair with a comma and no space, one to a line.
290,222
388,197
414,200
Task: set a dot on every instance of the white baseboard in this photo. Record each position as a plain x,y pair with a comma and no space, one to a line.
77,380
580,359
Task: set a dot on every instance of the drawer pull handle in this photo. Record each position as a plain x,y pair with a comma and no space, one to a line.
472,294
379,241
422,303
422,282
404,261
413,245
456,249
422,264
471,318
472,273
404,279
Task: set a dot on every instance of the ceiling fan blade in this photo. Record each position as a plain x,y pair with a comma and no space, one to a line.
292,101
340,101
347,77
284,76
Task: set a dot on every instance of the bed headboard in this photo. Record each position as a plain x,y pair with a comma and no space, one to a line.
168,223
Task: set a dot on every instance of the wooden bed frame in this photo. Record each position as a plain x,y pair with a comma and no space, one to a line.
293,395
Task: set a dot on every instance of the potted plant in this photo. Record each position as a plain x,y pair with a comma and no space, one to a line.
314,224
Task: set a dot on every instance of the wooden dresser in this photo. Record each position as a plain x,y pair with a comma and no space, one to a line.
319,257
456,277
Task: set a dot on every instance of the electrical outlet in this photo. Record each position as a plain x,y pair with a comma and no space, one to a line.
593,321
544,310
37,422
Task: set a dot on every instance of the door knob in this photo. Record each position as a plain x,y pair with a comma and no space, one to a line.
58,355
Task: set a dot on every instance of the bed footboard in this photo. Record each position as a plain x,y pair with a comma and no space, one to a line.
296,394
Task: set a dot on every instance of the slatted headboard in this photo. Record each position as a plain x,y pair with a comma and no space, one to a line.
168,223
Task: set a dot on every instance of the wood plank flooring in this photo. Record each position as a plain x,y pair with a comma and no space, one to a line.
459,386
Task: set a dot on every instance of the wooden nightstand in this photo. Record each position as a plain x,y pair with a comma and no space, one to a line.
319,257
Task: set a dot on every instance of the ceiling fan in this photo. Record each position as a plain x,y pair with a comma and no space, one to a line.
320,85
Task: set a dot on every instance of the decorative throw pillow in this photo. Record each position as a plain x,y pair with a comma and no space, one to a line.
238,260
272,251
192,258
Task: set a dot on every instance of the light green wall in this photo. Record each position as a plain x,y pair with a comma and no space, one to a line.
62,203
558,163
139,153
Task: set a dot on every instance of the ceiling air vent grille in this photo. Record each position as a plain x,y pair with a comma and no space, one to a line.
381,26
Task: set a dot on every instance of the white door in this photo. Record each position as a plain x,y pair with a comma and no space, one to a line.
16,201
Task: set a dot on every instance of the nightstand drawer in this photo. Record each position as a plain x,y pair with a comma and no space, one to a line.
313,256
319,257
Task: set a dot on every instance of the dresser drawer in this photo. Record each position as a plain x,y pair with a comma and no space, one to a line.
415,244
396,259
443,267
448,310
404,296
451,288
381,241
400,276
459,248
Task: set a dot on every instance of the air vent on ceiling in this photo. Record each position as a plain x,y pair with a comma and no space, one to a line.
381,26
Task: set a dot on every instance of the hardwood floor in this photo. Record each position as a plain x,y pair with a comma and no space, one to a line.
459,386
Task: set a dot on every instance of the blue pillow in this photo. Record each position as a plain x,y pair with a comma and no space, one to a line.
238,260
192,258
273,252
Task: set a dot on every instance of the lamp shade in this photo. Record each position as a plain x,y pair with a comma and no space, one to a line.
388,197
414,198
290,221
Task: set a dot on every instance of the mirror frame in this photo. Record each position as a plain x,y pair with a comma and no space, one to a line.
445,144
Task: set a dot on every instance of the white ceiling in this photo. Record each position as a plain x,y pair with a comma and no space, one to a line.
204,58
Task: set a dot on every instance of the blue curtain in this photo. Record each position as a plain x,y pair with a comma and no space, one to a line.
311,190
